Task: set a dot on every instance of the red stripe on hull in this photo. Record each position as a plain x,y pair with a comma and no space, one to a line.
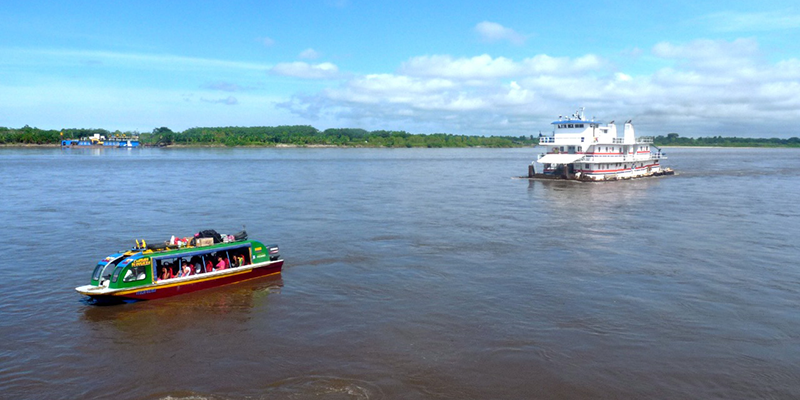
155,292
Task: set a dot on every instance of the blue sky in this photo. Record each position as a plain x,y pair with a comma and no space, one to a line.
466,67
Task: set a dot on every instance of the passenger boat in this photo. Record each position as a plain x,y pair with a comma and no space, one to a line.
587,150
148,272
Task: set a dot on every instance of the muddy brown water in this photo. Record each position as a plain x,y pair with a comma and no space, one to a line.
410,274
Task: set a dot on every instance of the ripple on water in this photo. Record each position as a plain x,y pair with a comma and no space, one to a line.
307,387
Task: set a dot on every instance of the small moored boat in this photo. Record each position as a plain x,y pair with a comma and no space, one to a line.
148,272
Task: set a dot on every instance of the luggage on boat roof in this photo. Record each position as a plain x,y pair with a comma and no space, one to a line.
210,233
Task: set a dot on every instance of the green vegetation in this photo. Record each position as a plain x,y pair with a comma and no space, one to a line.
304,135
298,135
673,139
28,135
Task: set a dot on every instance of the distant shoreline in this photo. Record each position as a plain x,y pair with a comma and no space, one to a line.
332,146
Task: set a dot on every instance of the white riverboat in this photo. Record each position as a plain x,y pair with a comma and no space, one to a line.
589,150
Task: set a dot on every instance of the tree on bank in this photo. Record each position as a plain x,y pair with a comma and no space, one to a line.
305,135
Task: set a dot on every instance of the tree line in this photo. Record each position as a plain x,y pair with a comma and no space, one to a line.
299,135
304,135
674,139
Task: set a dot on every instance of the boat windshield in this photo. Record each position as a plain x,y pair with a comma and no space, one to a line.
103,272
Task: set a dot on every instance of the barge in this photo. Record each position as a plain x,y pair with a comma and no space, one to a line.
98,140
587,150
148,272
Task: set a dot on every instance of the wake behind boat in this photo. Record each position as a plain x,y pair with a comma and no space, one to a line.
148,272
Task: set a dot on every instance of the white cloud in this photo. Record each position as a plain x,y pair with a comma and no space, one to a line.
493,32
486,67
622,77
711,54
306,71
309,54
483,66
714,87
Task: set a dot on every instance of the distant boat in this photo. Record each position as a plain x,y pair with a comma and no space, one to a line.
148,272
98,140
588,150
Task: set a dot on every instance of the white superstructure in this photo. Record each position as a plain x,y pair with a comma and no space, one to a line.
586,149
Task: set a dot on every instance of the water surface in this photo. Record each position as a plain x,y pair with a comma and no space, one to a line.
410,273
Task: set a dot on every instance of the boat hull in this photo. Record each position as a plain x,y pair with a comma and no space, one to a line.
178,286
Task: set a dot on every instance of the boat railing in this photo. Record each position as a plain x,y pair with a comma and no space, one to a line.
644,139
623,157
564,139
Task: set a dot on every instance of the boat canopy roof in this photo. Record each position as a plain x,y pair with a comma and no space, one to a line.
559,158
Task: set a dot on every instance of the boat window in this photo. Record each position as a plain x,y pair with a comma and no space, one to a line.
569,126
103,272
171,265
133,274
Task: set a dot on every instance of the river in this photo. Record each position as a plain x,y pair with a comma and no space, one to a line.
409,274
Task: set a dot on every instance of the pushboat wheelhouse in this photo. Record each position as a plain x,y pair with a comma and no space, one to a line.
146,273
588,150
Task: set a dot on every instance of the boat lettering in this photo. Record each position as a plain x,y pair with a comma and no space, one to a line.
145,292
141,261
257,249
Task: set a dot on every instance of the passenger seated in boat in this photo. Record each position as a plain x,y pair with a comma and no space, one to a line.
164,274
209,265
187,270
173,270
220,264
197,267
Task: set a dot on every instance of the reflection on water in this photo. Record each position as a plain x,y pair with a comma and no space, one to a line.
240,297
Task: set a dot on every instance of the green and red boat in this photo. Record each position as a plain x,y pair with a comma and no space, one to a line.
148,272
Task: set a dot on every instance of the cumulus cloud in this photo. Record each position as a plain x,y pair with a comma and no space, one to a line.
304,70
309,54
486,67
710,87
494,32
